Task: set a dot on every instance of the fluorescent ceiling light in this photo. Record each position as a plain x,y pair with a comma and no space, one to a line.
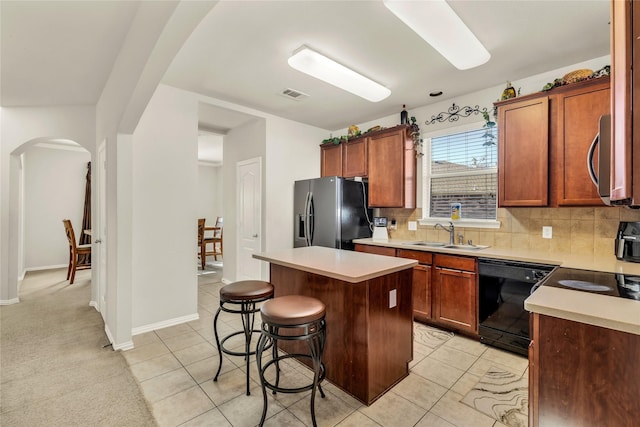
438,24
327,70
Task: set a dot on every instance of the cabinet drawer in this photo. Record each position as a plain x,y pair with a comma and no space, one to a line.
456,262
378,250
421,257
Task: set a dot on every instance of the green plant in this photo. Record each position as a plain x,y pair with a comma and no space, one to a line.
415,135
489,125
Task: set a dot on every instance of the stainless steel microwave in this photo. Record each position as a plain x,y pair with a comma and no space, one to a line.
601,173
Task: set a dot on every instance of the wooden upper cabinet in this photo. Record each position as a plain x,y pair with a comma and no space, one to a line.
523,152
543,141
577,112
625,102
354,160
391,162
331,160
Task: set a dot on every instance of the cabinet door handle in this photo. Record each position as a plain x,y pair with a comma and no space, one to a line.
453,270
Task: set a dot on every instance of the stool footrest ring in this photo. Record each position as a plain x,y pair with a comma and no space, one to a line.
276,388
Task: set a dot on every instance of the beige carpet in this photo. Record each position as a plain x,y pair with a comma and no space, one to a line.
54,367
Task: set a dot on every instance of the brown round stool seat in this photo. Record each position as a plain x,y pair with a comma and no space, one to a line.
246,290
292,310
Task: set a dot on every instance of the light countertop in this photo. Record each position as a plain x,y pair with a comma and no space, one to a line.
607,263
620,314
600,310
348,266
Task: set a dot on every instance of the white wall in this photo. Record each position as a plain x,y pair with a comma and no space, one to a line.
209,193
54,187
293,153
164,200
482,98
157,33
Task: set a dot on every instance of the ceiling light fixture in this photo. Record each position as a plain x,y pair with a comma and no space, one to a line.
316,65
438,25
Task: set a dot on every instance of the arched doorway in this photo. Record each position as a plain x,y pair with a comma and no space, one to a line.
47,183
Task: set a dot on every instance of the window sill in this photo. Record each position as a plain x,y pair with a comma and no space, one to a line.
467,223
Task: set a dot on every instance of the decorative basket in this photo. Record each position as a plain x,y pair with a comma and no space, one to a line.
577,75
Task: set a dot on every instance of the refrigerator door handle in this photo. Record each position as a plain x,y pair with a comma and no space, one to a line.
308,223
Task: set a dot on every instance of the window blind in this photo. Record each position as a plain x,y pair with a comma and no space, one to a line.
463,169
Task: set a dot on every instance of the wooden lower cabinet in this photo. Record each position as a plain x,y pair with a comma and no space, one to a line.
582,375
422,292
377,250
445,287
369,345
455,296
422,300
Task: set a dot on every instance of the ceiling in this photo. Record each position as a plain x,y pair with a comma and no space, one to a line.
60,53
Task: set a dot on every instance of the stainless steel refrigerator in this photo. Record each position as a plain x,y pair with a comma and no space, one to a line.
330,212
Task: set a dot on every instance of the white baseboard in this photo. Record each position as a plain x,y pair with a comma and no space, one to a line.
164,324
226,281
94,304
9,301
124,346
44,267
127,345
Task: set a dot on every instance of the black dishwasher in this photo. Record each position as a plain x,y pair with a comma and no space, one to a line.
502,288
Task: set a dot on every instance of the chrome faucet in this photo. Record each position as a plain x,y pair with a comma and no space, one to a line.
452,232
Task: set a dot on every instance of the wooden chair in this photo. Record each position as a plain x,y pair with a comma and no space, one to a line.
203,241
217,237
75,251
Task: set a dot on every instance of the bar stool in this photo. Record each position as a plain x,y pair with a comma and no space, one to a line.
292,318
245,294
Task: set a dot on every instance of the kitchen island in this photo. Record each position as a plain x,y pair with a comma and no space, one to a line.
583,359
369,313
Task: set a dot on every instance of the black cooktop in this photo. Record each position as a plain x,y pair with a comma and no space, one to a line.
611,284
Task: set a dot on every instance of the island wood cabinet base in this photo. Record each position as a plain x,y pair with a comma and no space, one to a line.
369,344
582,375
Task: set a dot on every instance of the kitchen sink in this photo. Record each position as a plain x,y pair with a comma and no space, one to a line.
446,245
432,244
471,247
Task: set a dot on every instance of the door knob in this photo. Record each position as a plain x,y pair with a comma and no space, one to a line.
255,235
97,241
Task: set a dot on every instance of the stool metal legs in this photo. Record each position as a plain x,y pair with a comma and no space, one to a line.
247,312
314,334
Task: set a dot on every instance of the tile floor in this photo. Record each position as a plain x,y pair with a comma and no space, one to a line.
175,367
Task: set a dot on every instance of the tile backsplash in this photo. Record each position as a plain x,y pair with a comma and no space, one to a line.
580,230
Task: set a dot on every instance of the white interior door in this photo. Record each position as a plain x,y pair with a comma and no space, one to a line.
101,229
249,182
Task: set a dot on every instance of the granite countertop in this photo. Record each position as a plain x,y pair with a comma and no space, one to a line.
348,266
614,313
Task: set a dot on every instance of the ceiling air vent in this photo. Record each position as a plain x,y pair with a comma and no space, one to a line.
294,94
